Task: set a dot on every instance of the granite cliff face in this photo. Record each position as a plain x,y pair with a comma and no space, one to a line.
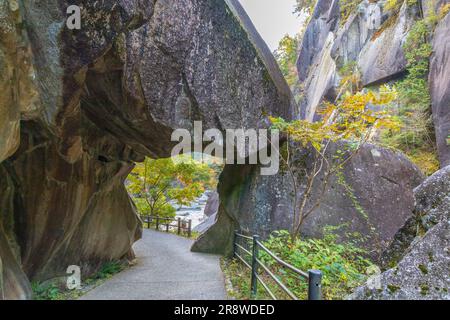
84,105
418,260
440,88
372,40
369,38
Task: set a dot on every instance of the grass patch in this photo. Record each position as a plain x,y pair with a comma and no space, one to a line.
343,265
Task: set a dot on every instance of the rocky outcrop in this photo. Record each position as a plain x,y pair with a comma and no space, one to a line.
357,196
206,224
212,205
103,98
440,88
316,68
19,100
370,40
419,256
211,209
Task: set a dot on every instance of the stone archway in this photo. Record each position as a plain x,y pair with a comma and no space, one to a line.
102,98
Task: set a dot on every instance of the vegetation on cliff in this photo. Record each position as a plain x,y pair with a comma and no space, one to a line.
413,109
348,124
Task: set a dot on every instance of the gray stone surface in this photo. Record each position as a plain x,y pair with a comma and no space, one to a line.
432,205
110,94
440,88
165,270
374,196
419,257
370,38
205,225
316,68
212,205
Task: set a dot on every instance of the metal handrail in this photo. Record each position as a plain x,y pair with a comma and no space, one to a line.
244,236
243,249
314,277
284,264
280,284
243,260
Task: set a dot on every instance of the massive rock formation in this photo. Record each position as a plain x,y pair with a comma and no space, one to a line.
89,103
211,209
372,195
212,205
440,88
370,39
316,68
420,254
82,106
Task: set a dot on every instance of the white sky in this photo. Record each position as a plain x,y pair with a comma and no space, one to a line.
273,19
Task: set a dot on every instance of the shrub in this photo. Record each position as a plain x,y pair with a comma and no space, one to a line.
343,265
416,138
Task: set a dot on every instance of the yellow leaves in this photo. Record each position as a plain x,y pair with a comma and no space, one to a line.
443,10
352,118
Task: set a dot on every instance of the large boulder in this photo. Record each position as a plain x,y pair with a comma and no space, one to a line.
382,59
212,205
211,209
419,256
440,88
110,94
14,283
373,195
16,67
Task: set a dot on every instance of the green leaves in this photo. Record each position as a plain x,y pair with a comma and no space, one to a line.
416,137
286,56
342,263
155,184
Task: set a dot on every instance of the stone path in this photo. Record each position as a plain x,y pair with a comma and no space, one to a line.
166,269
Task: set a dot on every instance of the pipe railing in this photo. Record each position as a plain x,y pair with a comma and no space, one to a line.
314,277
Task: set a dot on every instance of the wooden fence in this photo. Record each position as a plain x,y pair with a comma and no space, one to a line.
167,224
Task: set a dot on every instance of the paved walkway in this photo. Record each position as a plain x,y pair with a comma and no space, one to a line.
166,269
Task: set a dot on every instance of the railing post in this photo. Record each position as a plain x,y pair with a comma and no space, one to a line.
314,285
179,226
235,237
167,226
255,256
157,223
148,222
189,228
